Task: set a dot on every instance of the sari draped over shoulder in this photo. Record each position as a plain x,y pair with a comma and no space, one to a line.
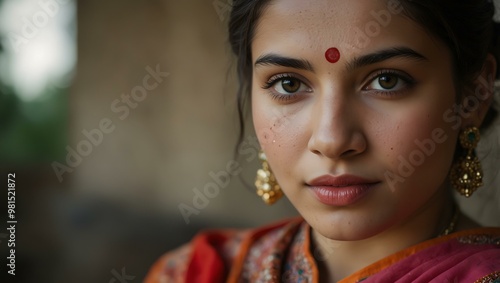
281,253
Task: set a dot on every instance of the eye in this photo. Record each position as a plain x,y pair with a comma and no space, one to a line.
390,82
286,84
386,82
289,85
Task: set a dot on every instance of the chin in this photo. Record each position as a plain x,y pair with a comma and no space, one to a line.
348,233
350,224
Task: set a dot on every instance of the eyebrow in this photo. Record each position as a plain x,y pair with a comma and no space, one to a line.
365,60
277,60
382,55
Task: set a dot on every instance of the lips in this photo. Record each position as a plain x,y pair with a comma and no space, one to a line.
341,190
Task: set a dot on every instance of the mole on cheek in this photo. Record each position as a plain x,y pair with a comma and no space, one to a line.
332,55
265,136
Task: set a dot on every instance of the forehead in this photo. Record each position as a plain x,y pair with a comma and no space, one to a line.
352,26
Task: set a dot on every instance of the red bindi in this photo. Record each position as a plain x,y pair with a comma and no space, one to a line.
332,55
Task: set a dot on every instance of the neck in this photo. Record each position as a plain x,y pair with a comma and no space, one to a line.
342,258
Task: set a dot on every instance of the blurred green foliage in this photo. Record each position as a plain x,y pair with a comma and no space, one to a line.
34,131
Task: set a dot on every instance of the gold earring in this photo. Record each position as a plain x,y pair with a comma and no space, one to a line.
467,175
267,186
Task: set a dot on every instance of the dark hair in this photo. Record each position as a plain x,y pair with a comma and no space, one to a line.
468,30
242,23
465,26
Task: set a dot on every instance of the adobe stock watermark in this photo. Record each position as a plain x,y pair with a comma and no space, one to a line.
94,137
220,180
277,124
373,28
39,20
416,158
222,8
249,149
120,277
427,147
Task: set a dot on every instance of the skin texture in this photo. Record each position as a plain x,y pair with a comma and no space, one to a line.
341,121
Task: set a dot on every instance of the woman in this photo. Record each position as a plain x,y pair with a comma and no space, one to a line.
367,113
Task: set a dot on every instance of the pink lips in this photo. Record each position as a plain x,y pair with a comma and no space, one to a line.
342,190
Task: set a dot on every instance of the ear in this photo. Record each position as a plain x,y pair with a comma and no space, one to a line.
478,102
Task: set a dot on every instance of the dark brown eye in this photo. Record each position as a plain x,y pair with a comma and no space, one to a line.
287,85
388,81
290,85
391,82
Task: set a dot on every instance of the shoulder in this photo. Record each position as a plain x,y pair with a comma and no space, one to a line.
209,256
214,248
474,255
171,267
465,256
482,247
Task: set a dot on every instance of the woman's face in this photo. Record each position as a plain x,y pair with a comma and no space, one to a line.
362,144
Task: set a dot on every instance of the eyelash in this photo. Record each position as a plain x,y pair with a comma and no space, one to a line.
407,80
277,78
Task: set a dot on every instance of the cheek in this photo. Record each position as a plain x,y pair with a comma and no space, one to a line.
282,134
276,127
419,146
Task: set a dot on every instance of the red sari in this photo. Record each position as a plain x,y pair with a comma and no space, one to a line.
281,253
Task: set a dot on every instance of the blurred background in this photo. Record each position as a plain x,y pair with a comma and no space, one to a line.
113,115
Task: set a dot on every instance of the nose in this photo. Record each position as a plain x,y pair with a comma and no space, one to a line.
336,129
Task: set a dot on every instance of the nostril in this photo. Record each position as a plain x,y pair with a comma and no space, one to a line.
349,152
317,152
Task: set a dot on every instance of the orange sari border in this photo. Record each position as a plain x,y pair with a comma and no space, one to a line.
398,256
207,257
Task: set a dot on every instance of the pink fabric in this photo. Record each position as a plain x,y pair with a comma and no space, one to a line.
281,253
462,259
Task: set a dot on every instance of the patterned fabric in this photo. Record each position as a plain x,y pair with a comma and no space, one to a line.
173,266
281,253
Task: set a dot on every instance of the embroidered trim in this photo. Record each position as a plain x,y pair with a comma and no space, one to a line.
492,278
297,267
278,257
263,262
479,240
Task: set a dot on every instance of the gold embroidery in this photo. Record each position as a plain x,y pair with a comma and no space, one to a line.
479,240
492,278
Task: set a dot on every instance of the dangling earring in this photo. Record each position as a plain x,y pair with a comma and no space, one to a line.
466,175
267,186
